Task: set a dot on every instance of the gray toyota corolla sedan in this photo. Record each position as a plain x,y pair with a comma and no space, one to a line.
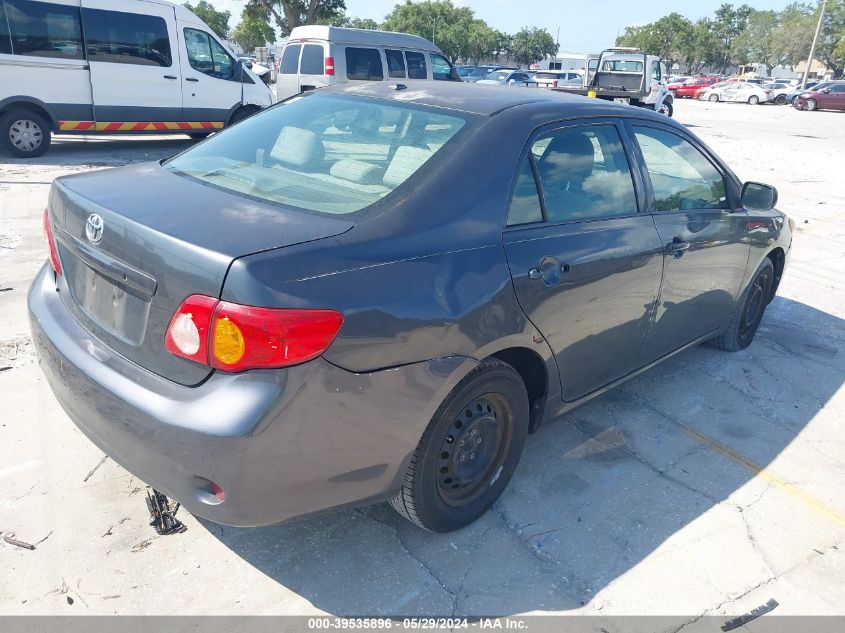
376,292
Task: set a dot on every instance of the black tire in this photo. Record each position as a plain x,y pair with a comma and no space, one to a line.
24,134
443,490
666,109
198,136
781,100
750,312
243,113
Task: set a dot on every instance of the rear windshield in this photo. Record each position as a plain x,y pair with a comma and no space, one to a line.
327,153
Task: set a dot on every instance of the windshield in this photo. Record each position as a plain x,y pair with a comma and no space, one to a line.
481,71
327,153
499,75
622,65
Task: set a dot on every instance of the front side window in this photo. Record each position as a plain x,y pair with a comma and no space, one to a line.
681,176
312,60
206,55
395,64
584,174
126,38
43,30
326,153
417,68
441,69
655,70
5,35
290,59
364,64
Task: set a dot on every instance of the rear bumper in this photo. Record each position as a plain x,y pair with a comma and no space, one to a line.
282,444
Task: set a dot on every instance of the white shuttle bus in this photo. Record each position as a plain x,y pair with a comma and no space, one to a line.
112,67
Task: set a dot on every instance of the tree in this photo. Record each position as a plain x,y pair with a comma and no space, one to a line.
217,20
531,45
252,31
792,37
831,45
671,38
288,14
439,21
757,42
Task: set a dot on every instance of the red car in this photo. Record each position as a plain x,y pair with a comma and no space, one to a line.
830,98
689,88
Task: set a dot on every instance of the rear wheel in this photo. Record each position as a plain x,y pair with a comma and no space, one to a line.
747,319
469,451
713,98
24,133
810,105
753,100
198,136
242,113
781,100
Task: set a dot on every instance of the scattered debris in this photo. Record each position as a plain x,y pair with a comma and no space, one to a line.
112,597
18,543
93,470
49,534
730,625
69,599
141,545
107,532
5,368
6,289
162,515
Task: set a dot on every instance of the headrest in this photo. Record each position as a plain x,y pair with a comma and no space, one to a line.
298,147
356,171
406,161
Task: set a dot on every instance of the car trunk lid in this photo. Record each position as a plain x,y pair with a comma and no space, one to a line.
161,238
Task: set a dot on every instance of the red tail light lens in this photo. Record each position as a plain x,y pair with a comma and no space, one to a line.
554,85
234,337
51,243
330,65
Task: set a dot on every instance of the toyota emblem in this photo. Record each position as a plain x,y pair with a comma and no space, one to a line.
94,228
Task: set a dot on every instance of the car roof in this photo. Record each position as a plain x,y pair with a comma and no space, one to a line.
342,35
485,100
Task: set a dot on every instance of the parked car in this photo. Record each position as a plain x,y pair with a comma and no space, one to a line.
777,92
811,85
316,56
235,325
481,72
465,71
555,78
519,78
703,92
739,91
676,82
115,67
691,86
831,97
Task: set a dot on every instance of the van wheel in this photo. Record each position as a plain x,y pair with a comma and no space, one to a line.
469,451
24,133
243,113
749,312
198,136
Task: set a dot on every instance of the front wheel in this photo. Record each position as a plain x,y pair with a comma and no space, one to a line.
753,100
24,134
747,318
810,105
666,109
713,98
469,451
781,100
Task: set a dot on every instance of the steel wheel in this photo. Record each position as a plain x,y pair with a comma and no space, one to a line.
713,98
26,135
810,105
753,100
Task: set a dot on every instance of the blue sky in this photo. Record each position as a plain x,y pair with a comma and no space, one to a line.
584,26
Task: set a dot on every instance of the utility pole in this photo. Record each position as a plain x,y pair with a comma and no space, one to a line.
813,47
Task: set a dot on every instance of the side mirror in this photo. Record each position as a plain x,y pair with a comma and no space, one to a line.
453,75
758,197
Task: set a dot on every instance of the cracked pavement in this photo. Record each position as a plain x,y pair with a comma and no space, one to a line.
706,486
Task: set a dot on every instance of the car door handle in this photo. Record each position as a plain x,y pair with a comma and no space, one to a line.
677,246
171,77
194,79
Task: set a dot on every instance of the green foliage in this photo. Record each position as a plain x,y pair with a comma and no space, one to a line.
252,32
288,14
217,20
531,45
437,20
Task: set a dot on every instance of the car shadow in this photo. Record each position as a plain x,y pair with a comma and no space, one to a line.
106,151
596,492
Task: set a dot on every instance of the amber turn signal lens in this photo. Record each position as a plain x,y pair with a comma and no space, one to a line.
229,345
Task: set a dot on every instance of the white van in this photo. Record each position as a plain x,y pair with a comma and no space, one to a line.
115,66
317,56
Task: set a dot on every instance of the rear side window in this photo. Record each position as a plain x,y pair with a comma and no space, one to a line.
681,176
441,69
206,55
126,38
364,64
584,174
43,29
326,153
290,59
395,64
312,60
525,204
416,65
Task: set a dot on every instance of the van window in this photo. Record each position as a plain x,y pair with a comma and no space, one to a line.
5,35
364,64
290,59
312,60
207,56
126,38
44,29
441,68
395,64
416,66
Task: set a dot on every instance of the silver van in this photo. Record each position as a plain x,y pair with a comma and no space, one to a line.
317,56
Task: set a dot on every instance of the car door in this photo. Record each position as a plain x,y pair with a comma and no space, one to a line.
832,97
702,228
287,83
211,89
134,63
585,263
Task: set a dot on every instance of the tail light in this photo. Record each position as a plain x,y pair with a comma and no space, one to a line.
330,65
766,91
51,243
554,85
235,337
